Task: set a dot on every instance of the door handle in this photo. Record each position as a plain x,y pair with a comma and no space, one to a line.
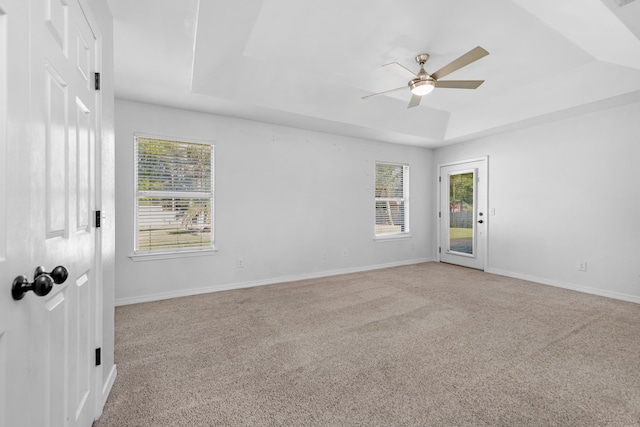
42,282
480,221
41,286
58,274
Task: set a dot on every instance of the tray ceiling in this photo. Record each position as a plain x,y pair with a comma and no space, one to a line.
307,64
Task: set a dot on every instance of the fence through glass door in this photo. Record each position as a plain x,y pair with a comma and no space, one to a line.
461,212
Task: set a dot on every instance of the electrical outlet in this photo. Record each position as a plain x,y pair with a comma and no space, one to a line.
345,252
240,263
582,266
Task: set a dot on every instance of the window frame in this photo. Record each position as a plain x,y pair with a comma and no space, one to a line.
405,199
155,254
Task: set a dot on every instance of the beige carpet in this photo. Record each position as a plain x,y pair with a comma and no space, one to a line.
424,345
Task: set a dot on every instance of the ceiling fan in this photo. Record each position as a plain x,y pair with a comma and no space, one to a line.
422,83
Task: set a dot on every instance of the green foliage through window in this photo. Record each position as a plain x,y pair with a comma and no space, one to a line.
461,188
392,199
174,195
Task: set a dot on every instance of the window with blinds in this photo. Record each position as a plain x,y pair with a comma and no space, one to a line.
174,195
392,199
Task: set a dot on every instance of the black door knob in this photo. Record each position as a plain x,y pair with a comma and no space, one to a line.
41,286
58,274
480,221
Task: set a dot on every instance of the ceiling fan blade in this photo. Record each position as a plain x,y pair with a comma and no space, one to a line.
400,70
386,91
459,84
415,101
466,59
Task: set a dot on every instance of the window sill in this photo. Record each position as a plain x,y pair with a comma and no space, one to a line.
403,236
171,255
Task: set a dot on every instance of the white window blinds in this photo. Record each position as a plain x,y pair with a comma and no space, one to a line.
392,199
174,195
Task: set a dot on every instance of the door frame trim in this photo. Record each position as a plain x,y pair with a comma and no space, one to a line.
99,383
485,245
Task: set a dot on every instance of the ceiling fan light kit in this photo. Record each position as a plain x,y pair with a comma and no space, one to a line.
421,87
422,83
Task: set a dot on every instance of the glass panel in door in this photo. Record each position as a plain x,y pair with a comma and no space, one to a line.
461,211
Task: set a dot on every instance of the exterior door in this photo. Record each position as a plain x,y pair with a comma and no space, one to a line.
48,57
462,213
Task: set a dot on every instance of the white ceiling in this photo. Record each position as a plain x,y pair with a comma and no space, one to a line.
307,64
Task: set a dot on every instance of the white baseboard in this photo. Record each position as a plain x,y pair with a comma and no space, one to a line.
565,285
240,285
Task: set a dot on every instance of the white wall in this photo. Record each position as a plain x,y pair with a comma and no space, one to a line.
565,192
284,198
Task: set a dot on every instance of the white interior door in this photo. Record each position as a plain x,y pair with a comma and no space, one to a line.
462,214
47,185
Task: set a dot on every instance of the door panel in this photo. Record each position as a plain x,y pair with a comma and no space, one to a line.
56,153
83,171
56,20
83,55
80,334
462,215
47,342
56,314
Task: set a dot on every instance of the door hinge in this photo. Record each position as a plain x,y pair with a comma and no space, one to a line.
439,249
439,179
96,81
98,217
439,214
98,356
